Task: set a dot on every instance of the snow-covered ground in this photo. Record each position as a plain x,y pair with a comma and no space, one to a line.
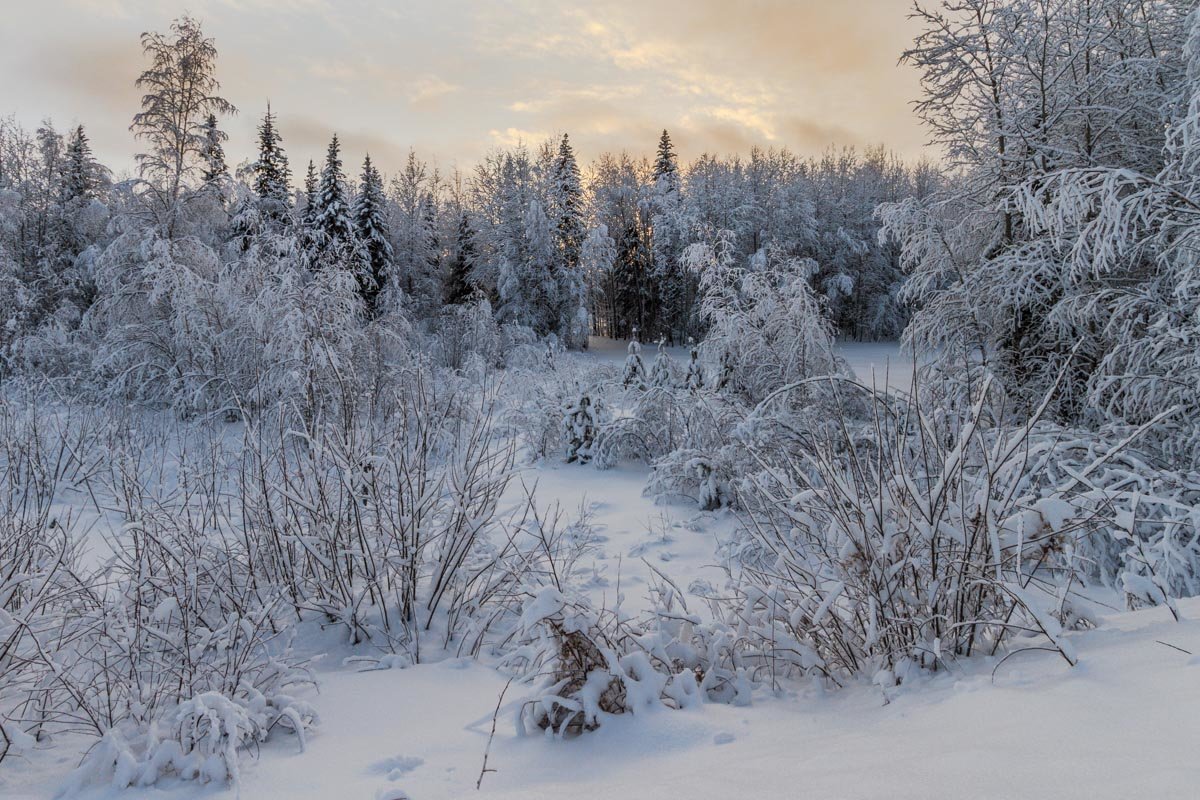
1124,723
874,363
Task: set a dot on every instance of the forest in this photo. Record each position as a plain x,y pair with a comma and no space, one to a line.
596,441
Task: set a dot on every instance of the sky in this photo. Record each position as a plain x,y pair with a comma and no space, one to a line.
454,79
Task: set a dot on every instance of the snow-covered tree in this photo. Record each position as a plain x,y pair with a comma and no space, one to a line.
215,169
371,224
180,95
694,379
415,235
662,370
634,374
82,175
331,220
459,288
272,175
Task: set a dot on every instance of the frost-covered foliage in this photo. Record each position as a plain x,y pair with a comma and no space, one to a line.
583,417
634,374
586,664
922,537
765,322
1133,235
170,651
1045,251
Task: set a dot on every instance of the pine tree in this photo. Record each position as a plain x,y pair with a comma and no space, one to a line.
272,175
458,281
213,153
371,224
331,220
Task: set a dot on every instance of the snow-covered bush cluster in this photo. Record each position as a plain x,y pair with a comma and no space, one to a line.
171,650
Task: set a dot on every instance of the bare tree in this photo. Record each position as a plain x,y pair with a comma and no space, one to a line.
181,93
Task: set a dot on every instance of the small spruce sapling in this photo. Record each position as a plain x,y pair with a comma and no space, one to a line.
581,423
660,371
635,369
695,373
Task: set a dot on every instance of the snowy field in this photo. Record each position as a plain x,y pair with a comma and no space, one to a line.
874,363
1122,723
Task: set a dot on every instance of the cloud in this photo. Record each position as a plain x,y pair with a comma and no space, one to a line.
458,78
515,137
430,87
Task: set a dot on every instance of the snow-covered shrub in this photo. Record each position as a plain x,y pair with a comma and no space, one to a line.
586,664
467,332
766,327
173,651
522,348
188,660
381,519
41,582
930,544
535,405
1154,529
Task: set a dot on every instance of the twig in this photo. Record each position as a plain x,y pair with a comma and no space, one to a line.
487,750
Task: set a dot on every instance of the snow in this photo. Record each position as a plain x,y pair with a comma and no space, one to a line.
1121,724
880,364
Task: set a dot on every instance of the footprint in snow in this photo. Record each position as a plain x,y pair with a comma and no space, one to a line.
396,767
391,793
723,738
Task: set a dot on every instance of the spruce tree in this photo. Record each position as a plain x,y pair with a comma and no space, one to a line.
635,370
272,175
666,166
331,220
308,216
661,370
213,153
672,287
81,175
695,373
570,232
433,243
568,205
458,281
370,221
